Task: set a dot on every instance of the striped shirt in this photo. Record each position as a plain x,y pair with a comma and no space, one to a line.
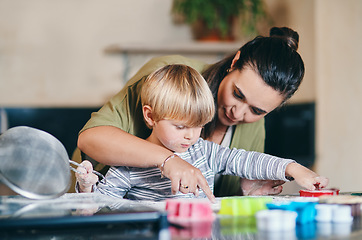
146,183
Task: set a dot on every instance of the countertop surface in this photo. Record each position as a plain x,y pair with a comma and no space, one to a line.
95,216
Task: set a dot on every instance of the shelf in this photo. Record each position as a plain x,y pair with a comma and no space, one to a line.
175,48
140,52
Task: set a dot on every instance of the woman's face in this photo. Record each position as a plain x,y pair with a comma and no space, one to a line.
244,97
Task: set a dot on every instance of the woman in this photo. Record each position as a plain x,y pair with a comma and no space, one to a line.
261,76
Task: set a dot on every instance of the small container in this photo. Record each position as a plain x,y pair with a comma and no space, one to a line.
305,209
194,215
276,220
243,206
342,214
350,200
318,193
189,210
334,213
324,212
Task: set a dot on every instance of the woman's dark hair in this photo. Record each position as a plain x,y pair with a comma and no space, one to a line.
274,58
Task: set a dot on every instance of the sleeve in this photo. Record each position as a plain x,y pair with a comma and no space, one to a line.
117,182
247,164
250,137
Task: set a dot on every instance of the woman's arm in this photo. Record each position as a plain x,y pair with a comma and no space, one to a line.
113,146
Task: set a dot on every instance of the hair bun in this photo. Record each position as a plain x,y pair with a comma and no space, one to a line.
291,37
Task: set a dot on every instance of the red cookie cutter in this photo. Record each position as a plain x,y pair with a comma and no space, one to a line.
318,193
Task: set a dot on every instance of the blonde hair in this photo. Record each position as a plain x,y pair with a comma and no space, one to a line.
178,92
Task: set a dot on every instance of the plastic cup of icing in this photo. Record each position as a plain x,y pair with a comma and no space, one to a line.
189,210
342,214
334,213
324,212
276,220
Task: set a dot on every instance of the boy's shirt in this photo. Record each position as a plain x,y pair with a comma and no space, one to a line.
211,158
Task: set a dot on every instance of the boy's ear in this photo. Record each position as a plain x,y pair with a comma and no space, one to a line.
147,115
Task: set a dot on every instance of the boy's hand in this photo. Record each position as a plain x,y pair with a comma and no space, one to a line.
186,178
305,177
86,179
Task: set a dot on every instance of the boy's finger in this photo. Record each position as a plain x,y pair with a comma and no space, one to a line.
322,181
206,189
175,186
81,170
87,165
196,193
93,179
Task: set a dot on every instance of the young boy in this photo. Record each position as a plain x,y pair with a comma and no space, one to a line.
176,104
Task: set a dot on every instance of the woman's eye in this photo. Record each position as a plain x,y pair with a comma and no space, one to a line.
238,95
256,111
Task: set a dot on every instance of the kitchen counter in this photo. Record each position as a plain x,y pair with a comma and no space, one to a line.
85,209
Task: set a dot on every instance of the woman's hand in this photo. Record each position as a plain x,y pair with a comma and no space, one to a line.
86,179
305,177
186,178
261,187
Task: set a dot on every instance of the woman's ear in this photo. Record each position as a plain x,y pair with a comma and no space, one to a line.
236,58
147,115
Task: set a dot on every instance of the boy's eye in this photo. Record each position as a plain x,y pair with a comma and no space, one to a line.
180,127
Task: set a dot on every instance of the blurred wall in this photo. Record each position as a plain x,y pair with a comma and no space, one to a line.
299,15
339,91
52,52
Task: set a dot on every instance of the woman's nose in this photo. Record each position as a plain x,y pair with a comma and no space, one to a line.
239,111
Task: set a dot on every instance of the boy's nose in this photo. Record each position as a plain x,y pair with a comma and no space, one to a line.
189,134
